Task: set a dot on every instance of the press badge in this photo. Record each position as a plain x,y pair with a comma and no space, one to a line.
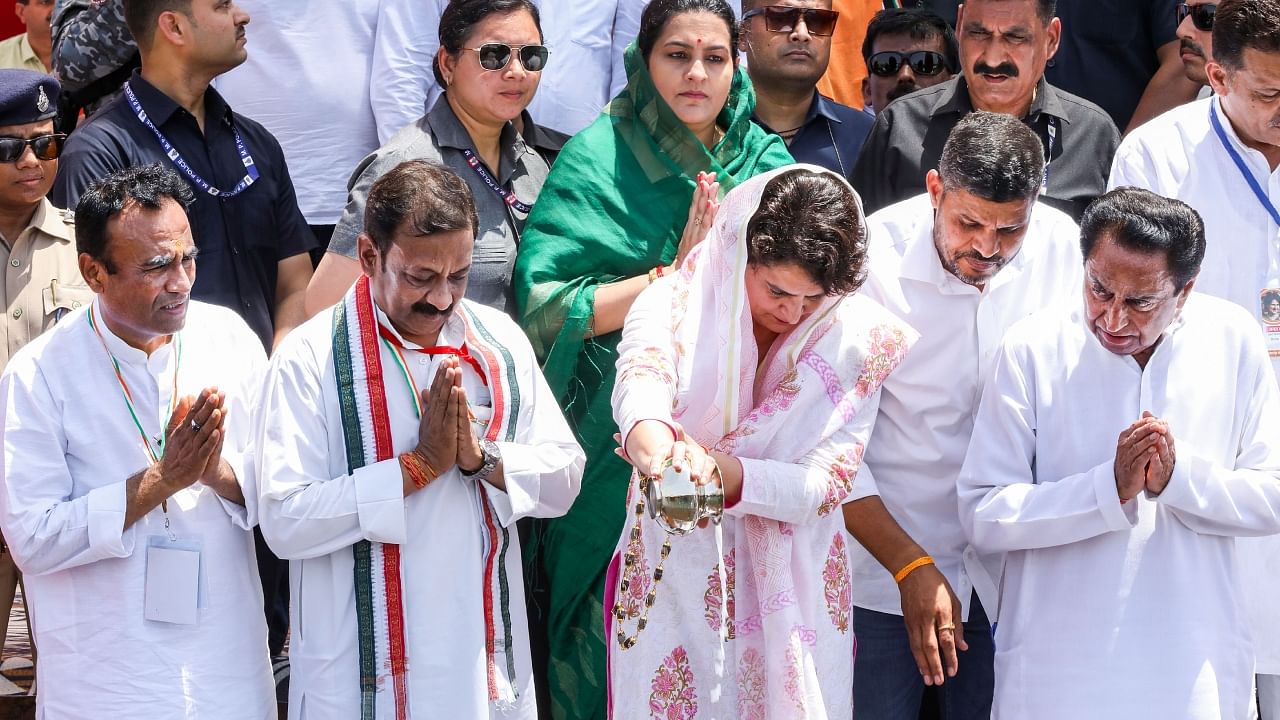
1269,312
174,591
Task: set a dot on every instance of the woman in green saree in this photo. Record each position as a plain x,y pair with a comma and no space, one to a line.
629,196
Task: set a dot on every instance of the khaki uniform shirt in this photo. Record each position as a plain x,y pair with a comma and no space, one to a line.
41,280
16,53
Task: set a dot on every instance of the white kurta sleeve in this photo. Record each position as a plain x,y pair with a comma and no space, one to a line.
237,448
304,512
542,468
1244,499
401,84
1004,506
800,492
646,379
1130,167
49,530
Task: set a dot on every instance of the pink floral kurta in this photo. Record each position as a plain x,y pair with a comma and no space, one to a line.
758,622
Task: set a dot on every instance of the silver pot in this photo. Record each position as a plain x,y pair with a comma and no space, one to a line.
678,503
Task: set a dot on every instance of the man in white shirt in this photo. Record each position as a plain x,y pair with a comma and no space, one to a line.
1222,156
586,38
402,433
960,264
126,493
1125,444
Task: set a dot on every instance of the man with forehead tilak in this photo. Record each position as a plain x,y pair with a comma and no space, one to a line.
1127,441
402,433
126,492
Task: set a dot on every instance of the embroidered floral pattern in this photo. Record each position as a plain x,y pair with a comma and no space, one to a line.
887,349
712,596
636,579
835,584
649,364
793,678
840,480
674,696
782,397
751,686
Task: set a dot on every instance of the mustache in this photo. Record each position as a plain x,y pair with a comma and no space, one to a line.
422,307
1004,68
999,260
1186,45
902,88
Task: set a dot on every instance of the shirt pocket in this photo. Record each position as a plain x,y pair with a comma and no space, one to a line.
62,300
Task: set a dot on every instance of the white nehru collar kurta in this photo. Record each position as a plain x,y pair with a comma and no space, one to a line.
1179,155
1133,611
927,405
313,511
69,446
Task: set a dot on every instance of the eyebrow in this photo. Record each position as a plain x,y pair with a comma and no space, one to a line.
780,291
157,261
710,47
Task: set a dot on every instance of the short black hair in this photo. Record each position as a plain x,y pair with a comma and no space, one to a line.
811,219
431,197
993,156
1241,25
658,13
145,185
1143,221
1045,9
460,17
140,17
917,23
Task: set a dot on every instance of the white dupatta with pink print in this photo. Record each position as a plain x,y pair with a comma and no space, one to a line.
799,423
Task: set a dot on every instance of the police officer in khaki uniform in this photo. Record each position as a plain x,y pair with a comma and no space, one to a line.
41,280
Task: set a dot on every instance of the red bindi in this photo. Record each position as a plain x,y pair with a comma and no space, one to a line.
699,41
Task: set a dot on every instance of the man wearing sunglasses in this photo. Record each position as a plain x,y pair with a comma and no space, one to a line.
1004,46
1221,155
1195,38
906,49
788,46
41,281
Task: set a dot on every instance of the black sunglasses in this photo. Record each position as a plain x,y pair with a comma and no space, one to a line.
45,147
1201,15
780,18
922,62
495,56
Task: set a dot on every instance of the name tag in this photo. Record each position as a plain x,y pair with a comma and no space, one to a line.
1269,313
171,593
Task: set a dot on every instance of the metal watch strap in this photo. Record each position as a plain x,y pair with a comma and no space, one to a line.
489,458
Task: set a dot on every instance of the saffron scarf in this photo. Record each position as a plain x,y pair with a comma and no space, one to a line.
380,602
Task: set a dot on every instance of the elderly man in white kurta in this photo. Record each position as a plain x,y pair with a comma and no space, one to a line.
1125,444
1222,155
403,431
126,492
960,264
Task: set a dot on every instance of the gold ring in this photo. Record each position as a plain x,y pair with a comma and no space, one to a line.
948,626
697,222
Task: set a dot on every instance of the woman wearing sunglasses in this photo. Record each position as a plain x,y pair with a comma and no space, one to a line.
630,196
490,61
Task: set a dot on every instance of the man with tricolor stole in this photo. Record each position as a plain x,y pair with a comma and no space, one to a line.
402,433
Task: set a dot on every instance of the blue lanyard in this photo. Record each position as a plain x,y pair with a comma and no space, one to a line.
182,165
507,196
1242,167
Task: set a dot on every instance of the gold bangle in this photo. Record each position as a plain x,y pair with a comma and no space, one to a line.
912,567
653,276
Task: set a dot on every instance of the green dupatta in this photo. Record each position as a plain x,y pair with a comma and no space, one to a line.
613,207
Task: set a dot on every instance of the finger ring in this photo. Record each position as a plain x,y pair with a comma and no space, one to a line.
948,626
697,222
195,426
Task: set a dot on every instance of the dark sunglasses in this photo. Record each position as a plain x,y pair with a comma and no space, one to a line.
922,62
45,147
779,18
495,56
1201,15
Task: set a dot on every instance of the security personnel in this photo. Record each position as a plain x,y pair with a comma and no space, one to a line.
41,280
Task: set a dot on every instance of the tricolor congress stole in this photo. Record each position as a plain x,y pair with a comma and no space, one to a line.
380,601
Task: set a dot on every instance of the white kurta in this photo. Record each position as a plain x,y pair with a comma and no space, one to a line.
69,446
1133,611
1179,155
927,405
313,512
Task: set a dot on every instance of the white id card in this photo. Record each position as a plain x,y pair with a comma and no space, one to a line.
172,589
1269,312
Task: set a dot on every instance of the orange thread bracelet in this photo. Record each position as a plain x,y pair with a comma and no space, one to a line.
912,567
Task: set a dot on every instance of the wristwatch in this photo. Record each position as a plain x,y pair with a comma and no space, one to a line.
490,456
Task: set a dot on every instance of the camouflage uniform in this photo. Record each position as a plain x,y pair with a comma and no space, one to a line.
90,42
